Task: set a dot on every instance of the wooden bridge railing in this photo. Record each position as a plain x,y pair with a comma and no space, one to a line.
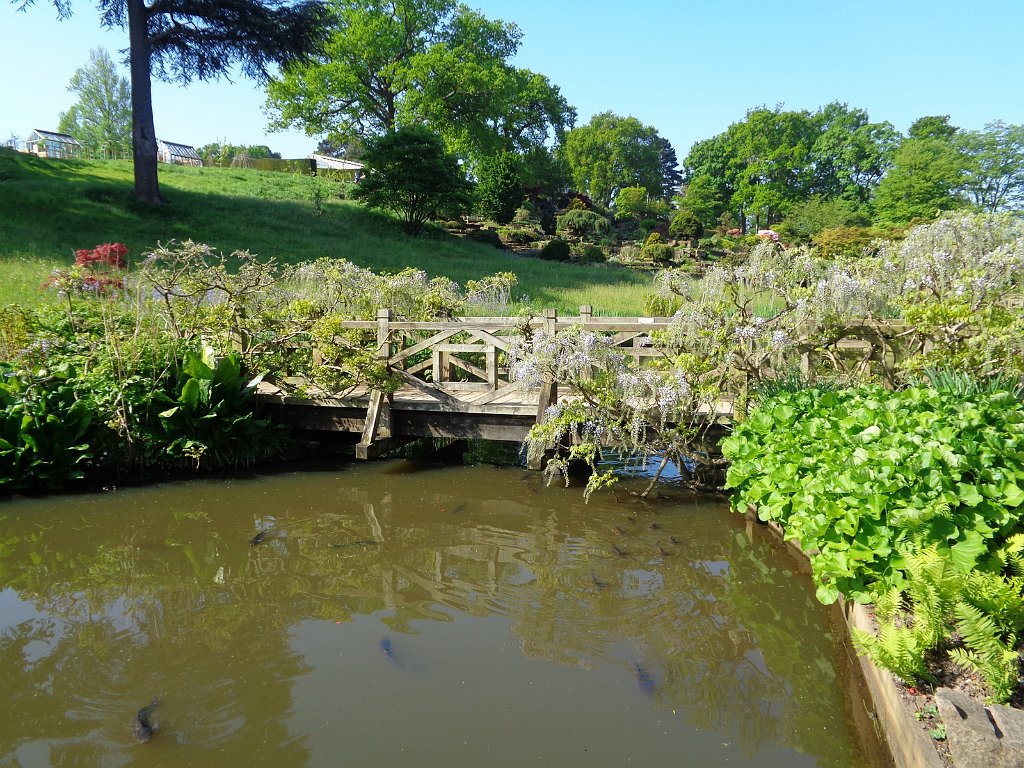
452,359
434,352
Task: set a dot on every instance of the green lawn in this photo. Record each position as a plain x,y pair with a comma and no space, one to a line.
50,208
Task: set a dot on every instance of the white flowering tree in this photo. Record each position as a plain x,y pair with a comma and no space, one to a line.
941,298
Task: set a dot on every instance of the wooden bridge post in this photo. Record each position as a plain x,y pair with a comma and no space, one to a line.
548,394
378,437
384,317
586,314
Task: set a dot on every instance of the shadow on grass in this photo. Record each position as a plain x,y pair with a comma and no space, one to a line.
55,207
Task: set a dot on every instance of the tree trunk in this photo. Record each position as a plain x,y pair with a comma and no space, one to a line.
143,133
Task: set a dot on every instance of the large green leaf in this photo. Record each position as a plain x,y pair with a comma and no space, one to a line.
190,393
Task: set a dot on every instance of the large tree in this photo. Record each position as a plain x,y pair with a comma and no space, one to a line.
612,151
499,189
671,176
850,154
434,62
178,40
101,118
923,182
773,159
709,180
994,179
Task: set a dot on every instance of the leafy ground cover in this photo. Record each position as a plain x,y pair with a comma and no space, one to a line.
53,207
908,499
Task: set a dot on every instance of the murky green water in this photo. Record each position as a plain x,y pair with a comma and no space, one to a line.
397,615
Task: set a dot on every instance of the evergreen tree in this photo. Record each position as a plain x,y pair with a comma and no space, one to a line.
410,173
499,190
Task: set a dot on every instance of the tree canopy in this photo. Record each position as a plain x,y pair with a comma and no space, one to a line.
758,168
922,182
101,118
499,189
612,151
186,39
432,62
222,154
995,166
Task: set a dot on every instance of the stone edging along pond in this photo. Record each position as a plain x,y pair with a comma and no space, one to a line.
908,744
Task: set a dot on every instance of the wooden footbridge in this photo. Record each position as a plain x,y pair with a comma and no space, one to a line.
454,381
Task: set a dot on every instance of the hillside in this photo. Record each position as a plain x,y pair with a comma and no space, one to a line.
50,208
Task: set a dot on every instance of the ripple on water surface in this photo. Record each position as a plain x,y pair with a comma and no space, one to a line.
398,614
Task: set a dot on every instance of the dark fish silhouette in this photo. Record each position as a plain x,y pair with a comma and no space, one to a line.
598,582
663,551
360,543
618,552
644,679
259,538
655,526
142,725
673,539
388,650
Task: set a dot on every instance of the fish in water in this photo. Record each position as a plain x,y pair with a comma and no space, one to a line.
644,679
618,552
142,725
664,552
360,543
598,582
655,526
259,538
388,650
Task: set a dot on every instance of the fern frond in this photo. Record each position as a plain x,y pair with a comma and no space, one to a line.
987,653
1010,555
933,587
889,604
897,649
999,597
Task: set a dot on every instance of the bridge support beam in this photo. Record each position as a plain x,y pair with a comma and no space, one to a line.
377,437
548,397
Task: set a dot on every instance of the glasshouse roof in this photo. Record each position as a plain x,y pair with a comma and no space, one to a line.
180,150
63,138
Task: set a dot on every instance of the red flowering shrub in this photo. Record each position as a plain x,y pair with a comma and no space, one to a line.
95,271
112,255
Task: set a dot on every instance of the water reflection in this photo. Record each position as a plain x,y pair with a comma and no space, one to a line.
381,616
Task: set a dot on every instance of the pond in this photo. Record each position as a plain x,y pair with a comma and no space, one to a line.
408,614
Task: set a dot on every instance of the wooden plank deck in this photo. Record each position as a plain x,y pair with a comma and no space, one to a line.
414,413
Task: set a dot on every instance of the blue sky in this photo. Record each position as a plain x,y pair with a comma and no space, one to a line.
687,67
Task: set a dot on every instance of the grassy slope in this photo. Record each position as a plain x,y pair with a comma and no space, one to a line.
50,208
